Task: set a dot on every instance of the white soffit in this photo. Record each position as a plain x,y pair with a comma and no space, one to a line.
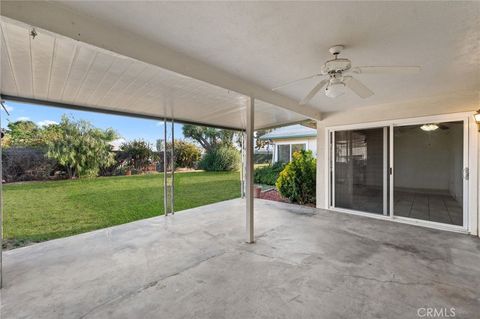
54,68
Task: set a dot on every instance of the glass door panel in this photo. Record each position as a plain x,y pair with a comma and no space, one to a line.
360,178
428,168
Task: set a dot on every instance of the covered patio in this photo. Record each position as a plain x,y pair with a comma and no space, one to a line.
217,65
306,262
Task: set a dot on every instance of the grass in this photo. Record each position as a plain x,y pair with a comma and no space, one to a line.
39,211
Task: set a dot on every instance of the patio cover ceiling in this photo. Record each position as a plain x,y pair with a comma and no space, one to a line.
50,68
250,47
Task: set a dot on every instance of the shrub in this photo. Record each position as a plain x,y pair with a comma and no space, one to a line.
186,154
26,164
224,158
297,181
268,174
262,158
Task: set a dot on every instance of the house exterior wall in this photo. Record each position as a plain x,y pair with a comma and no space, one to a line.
370,115
311,143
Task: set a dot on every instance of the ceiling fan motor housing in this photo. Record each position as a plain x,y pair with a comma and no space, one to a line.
336,65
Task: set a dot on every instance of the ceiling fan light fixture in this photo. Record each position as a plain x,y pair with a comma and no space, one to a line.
429,127
335,89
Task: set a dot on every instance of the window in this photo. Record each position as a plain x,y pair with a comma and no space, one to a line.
297,148
285,151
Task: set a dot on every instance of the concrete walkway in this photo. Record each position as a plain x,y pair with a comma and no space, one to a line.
307,263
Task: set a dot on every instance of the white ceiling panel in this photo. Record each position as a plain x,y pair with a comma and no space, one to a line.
7,80
272,42
42,57
57,69
17,40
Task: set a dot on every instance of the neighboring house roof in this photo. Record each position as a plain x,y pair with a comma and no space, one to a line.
116,144
292,131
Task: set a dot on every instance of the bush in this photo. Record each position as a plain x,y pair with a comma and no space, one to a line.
297,181
268,175
186,154
262,158
223,158
26,164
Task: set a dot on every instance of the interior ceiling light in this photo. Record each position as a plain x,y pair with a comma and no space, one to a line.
335,89
429,127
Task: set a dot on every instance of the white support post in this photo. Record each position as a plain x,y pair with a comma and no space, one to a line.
172,160
165,169
242,168
249,170
1,202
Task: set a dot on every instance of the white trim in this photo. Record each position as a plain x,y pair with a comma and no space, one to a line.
386,165
402,121
473,177
391,170
470,148
328,164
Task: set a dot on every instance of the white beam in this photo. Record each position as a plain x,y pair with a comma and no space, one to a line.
58,19
249,170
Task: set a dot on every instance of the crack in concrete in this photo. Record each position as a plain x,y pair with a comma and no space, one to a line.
390,281
150,284
279,259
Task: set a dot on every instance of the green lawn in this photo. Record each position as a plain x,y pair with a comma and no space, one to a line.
38,211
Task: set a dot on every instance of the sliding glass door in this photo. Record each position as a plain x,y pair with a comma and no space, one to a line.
410,171
360,165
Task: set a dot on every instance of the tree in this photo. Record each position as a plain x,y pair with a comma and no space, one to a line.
82,149
29,134
208,137
23,133
137,153
261,143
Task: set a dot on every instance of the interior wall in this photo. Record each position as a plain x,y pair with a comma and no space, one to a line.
424,160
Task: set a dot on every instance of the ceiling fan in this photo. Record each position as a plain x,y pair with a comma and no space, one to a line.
338,72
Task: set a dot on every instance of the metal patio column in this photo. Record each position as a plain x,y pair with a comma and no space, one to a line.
249,170
168,168
172,176
165,169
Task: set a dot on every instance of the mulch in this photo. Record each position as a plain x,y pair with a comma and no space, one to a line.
272,194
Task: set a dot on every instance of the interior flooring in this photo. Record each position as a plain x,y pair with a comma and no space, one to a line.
440,208
435,207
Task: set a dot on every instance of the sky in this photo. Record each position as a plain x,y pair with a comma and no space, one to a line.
128,128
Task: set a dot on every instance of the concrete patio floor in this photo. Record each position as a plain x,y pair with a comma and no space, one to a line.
307,263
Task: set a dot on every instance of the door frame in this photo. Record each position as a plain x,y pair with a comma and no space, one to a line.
470,151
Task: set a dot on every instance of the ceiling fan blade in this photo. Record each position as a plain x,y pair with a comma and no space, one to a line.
357,87
386,69
295,81
314,91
